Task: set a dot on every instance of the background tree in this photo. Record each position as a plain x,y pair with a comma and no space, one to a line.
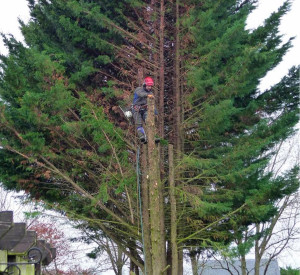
105,252
109,254
267,240
280,234
68,258
289,271
226,117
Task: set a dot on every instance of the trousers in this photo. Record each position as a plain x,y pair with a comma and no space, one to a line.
139,117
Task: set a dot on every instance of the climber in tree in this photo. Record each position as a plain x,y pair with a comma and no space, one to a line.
139,106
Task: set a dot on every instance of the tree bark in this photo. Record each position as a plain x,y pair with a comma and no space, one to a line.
144,187
177,110
161,69
180,261
243,265
160,169
155,187
169,256
194,263
242,258
257,252
178,142
173,212
155,52
145,212
119,262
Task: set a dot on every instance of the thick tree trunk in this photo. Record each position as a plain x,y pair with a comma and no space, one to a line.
155,187
173,212
142,173
177,113
145,212
161,91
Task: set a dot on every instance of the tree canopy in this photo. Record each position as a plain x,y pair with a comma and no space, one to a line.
65,141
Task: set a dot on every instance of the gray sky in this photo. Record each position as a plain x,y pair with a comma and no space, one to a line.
10,10
289,27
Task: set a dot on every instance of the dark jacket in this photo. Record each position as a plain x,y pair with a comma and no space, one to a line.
140,96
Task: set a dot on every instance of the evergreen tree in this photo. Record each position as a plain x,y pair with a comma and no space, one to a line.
65,141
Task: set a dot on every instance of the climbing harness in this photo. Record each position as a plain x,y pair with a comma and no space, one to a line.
138,108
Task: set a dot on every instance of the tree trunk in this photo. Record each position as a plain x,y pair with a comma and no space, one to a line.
257,252
155,52
242,258
194,263
178,142
169,257
173,212
243,265
132,267
180,261
177,110
119,262
145,212
161,69
160,169
155,187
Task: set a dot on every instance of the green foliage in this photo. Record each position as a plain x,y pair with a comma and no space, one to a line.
231,128
289,271
62,139
32,214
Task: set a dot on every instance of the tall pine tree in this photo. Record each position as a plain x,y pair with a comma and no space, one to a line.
65,141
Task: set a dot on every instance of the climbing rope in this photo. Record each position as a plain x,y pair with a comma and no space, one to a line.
138,173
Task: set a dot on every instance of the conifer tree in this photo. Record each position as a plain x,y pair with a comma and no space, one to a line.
65,141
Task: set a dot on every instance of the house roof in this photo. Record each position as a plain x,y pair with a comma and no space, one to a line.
17,240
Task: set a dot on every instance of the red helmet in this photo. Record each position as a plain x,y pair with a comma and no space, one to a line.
148,81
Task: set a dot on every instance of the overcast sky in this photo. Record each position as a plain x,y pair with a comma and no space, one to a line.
10,10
